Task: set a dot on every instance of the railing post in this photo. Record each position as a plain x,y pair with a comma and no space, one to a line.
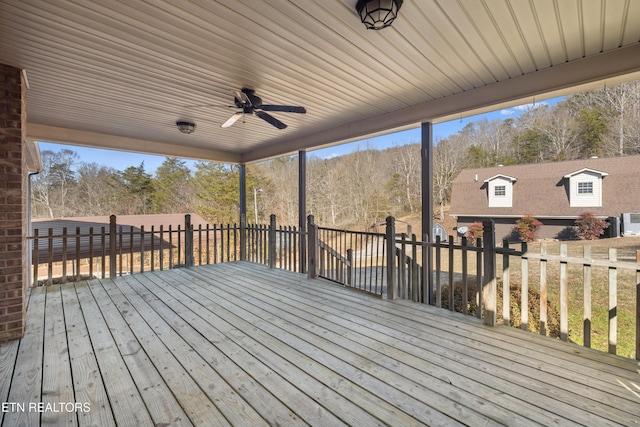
350,269
489,288
188,242
638,306
36,256
390,236
272,241
312,248
112,247
243,237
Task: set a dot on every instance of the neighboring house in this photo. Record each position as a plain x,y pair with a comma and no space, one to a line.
555,193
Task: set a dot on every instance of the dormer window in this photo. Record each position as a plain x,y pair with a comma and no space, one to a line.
500,191
585,188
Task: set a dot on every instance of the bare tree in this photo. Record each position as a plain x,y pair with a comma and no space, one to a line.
407,166
450,157
622,99
562,132
50,188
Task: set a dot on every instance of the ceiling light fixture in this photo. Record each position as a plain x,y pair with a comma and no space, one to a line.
378,14
186,127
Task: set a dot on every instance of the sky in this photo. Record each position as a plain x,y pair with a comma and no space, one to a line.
122,160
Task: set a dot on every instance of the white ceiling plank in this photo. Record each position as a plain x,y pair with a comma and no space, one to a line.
131,69
586,73
91,139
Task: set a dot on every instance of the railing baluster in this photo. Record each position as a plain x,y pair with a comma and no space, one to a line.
170,231
438,272
142,249
50,258
415,286
479,279
112,246
613,302
564,292
452,291
524,304
506,285
120,246
638,305
543,289
161,244
208,243
586,278
64,254
131,239
199,244
36,255
153,248
465,285
103,251
215,243
91,252
77,259
180,240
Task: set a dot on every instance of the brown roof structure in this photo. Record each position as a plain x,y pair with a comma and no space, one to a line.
542,189
126,223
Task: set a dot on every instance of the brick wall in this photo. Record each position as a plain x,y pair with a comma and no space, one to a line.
13,214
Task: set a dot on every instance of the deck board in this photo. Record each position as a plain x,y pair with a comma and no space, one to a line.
407,365
57,383
518,379
26,384
240,344
124,396
87,379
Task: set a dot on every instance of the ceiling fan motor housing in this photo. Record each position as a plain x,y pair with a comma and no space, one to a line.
255,101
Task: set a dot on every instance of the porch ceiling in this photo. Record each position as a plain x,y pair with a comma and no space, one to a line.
120,74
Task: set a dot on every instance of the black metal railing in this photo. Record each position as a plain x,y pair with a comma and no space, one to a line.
115,250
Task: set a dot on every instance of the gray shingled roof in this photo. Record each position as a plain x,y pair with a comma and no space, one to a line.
540,189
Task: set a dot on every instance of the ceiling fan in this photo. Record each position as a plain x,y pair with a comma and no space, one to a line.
252,104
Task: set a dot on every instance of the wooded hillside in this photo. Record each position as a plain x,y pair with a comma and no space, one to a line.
355,190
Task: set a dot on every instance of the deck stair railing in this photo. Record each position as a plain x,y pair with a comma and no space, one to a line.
352,258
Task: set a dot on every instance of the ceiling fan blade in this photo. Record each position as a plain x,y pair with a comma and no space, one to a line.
232,120
270,119
242,97
284,108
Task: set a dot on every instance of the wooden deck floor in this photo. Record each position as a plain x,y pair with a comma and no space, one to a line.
239,344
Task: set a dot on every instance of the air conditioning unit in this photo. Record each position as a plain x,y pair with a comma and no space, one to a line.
630,224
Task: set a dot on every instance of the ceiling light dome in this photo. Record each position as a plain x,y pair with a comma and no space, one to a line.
378,14
186,127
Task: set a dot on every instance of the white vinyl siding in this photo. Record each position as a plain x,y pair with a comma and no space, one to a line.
500,192
585,189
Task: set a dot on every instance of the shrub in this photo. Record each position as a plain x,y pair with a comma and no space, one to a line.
589,227
527,228
474,232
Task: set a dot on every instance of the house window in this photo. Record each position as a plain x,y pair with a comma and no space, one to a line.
500,190
585,187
